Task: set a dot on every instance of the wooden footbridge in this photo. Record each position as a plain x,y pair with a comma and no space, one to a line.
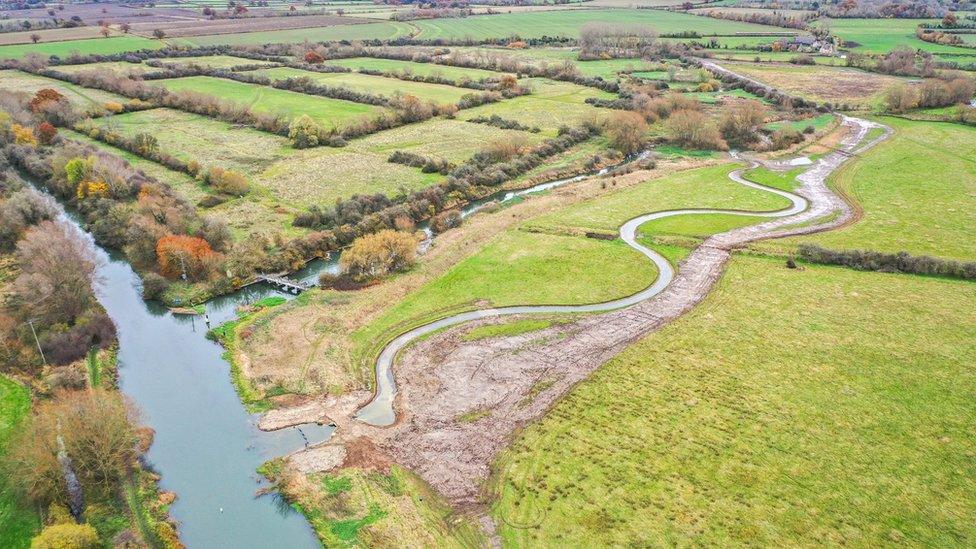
284,284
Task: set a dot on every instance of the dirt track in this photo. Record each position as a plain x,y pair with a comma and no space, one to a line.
513,381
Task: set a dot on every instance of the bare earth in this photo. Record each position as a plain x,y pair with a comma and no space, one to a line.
513,381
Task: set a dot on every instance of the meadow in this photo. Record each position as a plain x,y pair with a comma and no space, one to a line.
386,30
884,35
552,104
567,23
17,523
17,81
330,113
410,67
64,49
213,61
376,85
811,407
917,192
119,67
820,83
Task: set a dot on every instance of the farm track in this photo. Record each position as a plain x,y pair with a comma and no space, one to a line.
510,382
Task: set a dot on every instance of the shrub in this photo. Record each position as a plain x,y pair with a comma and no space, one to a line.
626,131
178,255
114,107
228,181
739,122
900,98
153,286
313,57
694,130
304,132
378,254
66,536
46,132
902,262
23,135
445,220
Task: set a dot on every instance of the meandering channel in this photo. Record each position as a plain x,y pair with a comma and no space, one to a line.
380,410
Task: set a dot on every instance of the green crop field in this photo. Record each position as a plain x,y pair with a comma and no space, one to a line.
381,31
17,523
377,85
331,113
94,46
420,69
567,23
796,408
453,140
917,190
552,104
17,81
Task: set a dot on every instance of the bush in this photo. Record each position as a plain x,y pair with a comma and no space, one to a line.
227,181
902,262
445,220
154,286
304,132
694,130
626,131
378,254
66,536
46,133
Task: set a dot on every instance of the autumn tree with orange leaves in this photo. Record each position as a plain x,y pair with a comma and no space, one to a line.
177,255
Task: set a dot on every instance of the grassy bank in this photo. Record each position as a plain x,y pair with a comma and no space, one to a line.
821,406
18,523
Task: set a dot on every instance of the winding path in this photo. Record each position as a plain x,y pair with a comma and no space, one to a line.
811,203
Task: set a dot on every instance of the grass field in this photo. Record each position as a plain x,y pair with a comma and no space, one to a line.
17,524
322,175
884,35
917,190
604,68
210,142
118,67
214,61
699,188
377,85
94,46
568,23
792,408
381,31
552,104
331,113
454,140
17,81
821,83
422,69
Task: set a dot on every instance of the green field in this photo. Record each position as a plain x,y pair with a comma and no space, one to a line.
792,408
17,524
118,67
214,61
884,35
210,142
567,23
552,104
376,85
94,46
17,81
917,190
420,69
322,175
699,188
819,82
604,68
453,140
381,31
331,113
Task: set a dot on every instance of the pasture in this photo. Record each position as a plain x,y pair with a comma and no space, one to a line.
410,67
791,407
917,192
884,35
330,113
18,81
93,46
552,104
820,83
376,85
213,61
386,30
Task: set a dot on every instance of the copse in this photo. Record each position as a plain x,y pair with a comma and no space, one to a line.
694,130
626,131
740,121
